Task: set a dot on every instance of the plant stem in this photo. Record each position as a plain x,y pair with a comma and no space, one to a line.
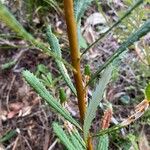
75,56
90,145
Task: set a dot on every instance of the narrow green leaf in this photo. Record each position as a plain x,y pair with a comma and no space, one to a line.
8,136
42,69
55,47
81,40
96,98
79,8
12,23
76,142
80,139
108,131
87,70
128,12
62,96
133,140
53,41
8,65
143,30
41,90
147,92
103,142
64,138
54,4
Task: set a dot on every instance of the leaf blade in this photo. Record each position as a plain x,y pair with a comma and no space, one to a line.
55,47
79,8
7,17
143,30
76,142
64,138
96,98
41,90
147,92
11,21
103,142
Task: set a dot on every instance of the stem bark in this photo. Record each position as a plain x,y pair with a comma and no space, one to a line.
75,56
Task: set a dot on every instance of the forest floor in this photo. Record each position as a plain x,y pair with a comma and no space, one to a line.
23,110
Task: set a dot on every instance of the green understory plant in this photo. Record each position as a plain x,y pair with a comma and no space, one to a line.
75,134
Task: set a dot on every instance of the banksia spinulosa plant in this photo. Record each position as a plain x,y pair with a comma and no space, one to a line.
75,58
72,134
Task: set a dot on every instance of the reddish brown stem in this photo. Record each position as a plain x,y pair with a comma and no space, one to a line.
89,143
75,56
